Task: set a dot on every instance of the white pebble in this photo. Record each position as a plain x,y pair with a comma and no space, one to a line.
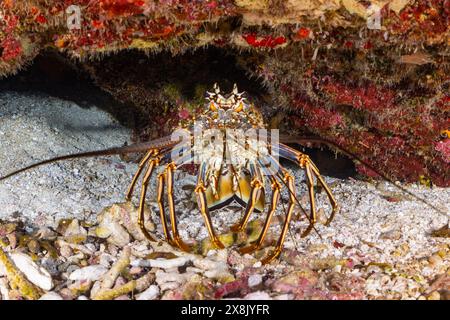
258,295
168,263
34,273
51,296
163,277
170,286
207,264
285,296
160,263
150,294
254,280
194,270
2,270
218,274
93,273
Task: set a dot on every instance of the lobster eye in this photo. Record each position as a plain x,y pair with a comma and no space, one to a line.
240,107
212,106
445,134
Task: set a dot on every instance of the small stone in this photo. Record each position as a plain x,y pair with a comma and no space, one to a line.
163,277
36,274
161,263
435,260
254,280
194,270
92,273
2,270
95,288
51,296
112,230
207,264
67,294
169,286
391,235
135,270
80,287
74,233
284,297
337,268
168,263
151,293
221,275
66,251
258,295
33,246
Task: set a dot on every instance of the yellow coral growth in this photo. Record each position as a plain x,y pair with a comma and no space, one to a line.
17,280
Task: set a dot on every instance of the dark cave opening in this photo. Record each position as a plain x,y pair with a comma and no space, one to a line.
128,84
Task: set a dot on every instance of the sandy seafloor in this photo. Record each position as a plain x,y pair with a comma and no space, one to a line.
377,223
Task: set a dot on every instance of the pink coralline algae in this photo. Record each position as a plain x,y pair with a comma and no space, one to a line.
443,147
12,48
239,286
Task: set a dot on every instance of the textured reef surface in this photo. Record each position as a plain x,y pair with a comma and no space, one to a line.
371,76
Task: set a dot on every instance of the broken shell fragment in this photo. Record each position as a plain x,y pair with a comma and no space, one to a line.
92,273
51,296
36,274
150,294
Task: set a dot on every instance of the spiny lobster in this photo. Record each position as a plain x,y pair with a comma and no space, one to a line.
236,157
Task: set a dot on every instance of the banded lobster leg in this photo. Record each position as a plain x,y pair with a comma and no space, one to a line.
167,178
200,190
150,154
290,183
153,159
310,169
288,180
275,198
256,185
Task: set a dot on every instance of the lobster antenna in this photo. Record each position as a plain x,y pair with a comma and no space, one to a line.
299,139
137,147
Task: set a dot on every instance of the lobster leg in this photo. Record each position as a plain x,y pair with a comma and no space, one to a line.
305,163
254,194
150,153
313,217
201,199
256,186
310,168
276,187
160,200
145,181
289,180
173,219
333,201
